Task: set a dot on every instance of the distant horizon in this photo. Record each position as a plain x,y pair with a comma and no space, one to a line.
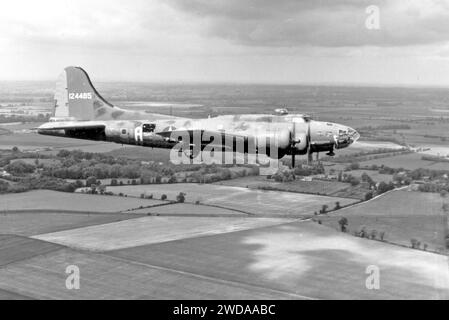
247,83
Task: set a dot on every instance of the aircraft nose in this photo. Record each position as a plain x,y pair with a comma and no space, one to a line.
345,137
353,135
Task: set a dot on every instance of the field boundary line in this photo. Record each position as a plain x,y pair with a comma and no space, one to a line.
372,199
204,277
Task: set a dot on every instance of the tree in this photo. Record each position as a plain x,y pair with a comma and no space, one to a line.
172,179
181,197
368,195
354,166
382,235
382,188
101,189
340,176
79,184
373,234
3,186
324,208
343,222
363,233
337,205
354,181
90,181
63,154
15,149
20,168
164,197
413,242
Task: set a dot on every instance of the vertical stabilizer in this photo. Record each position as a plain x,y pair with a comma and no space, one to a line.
76,97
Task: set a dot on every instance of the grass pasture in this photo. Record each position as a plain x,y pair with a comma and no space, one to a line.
106,277
304,259
402,215
409,161
52,200
147,230
375,175
258,202
26,224
188,209
316,187
47,162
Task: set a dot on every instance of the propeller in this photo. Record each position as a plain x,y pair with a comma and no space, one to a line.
309,147
294,141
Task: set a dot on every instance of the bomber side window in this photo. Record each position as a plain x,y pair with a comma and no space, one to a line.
148,127
123,131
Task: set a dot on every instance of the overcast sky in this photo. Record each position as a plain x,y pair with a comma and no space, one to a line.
283,41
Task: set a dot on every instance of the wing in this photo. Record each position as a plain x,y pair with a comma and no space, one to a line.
91,130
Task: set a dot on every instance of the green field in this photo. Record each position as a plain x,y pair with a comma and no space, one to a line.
299,260
147,230
258,202
107,277
409,161
375,175
402,215
27,224
317,187
305,259
188,209
53,200
41,161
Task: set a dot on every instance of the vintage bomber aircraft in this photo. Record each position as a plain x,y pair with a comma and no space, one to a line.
81,112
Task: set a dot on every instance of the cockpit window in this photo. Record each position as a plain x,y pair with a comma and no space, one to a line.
148,127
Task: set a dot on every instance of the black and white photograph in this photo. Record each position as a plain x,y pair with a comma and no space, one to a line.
216,153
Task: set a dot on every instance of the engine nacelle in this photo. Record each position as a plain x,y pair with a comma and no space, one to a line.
300,143
279,138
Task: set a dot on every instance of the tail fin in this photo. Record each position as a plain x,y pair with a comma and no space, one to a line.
76,97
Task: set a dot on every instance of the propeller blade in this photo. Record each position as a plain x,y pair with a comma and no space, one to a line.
293,160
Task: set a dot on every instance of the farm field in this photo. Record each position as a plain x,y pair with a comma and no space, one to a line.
32,161
220,258
188,209
26,224
409,161
258,202
375,175
107,277
319,187
32,141
402,215
53,200
14,248
302,258
147,230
